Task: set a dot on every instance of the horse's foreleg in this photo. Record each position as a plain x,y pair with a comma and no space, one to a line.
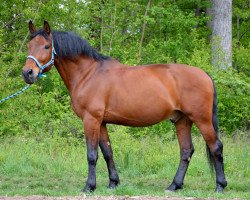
183,129
92,133
107,152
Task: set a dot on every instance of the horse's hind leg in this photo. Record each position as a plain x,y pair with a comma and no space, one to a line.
105,146
216,152
183,129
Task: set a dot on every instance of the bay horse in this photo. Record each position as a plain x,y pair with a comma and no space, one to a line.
104,91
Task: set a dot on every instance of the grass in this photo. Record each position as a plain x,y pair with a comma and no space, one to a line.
57,166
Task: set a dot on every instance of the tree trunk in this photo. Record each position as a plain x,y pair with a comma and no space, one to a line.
238,30
102,24
209,14
113,28
143,31
222,33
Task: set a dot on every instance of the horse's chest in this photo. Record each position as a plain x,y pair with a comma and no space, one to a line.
78,104
76,108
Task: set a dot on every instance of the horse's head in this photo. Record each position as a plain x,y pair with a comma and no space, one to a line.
40,53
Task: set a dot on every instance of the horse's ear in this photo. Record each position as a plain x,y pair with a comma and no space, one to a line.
46,27
32,27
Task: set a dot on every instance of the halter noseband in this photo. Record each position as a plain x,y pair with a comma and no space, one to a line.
42,67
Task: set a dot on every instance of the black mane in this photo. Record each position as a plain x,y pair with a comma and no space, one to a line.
70,45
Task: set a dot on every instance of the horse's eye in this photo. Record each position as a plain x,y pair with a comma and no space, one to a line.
46,46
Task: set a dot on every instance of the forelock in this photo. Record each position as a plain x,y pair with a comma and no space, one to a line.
39,32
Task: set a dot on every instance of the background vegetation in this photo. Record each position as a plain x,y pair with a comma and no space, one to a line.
174,31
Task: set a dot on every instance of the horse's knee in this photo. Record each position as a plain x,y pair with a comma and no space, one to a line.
92,158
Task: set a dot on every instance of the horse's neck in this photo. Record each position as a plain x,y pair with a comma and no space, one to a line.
74,71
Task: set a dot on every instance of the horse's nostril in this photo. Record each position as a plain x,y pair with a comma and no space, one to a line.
30,72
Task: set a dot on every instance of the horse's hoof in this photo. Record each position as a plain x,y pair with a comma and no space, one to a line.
88,189
173,187
113,184
219,188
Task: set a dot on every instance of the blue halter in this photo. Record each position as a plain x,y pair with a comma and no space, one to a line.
42,67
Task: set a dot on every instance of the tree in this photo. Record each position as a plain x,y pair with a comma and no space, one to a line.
222,33
165,31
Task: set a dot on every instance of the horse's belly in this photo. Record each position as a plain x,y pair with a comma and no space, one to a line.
143,114
141,98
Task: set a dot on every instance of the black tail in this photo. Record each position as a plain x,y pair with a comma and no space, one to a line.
214,117
215,125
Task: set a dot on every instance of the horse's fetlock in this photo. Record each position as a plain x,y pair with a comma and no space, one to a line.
90,188
116,180
179,185
222,182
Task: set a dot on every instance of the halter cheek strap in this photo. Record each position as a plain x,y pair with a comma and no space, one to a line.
42,67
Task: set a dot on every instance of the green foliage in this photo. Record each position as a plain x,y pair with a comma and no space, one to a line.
173,33
241,60
233,100
242,12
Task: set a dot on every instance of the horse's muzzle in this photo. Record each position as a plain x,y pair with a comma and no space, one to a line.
29,76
